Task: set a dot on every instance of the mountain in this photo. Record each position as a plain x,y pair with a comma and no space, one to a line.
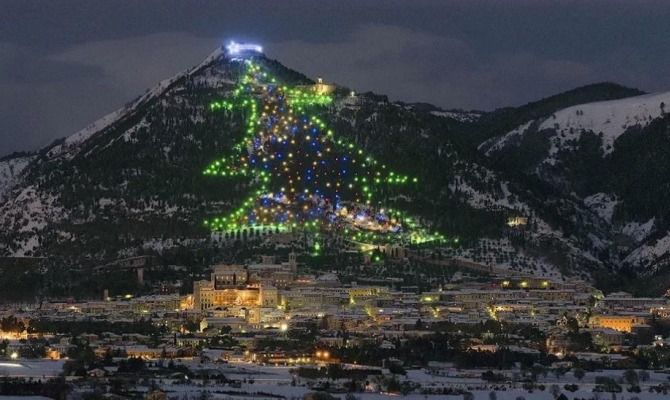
11,167
507,118
584,171
609,158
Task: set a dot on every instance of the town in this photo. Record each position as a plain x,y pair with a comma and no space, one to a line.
278,326
351,200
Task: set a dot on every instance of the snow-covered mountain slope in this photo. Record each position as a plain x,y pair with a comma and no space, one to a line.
595,153
457,115
130,167
602,204
27,215
71,144
498,143
134,177
482,188
638,231
461,116
11,168
652,255
607,119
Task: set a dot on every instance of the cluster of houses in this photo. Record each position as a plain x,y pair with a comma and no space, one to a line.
267,299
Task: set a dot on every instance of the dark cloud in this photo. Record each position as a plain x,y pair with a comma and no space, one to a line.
22,65
63,63
51,95
135,64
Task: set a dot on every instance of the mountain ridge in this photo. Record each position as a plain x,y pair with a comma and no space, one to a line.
132,178
595,152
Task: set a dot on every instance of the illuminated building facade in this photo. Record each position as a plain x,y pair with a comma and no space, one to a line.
232,285
622,323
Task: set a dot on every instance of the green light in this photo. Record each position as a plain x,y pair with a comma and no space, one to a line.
247,101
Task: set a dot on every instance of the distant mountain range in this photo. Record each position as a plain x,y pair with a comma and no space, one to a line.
587,171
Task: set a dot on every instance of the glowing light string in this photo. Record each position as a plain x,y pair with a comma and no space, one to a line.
301,174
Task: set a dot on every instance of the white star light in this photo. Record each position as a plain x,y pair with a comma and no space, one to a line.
235,48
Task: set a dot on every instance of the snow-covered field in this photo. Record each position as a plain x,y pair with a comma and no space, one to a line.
277,380
31,368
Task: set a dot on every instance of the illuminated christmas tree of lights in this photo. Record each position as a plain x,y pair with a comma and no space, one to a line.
302,175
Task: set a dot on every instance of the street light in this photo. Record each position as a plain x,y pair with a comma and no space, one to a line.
14,355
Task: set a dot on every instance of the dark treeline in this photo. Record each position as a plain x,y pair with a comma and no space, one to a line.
141,326
53,388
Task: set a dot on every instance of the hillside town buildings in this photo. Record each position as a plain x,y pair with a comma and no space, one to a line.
249,313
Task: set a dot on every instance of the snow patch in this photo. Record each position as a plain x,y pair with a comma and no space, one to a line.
602,204
482,198
499,142
647,254
461,116
638,231
97,126
10,170
27,214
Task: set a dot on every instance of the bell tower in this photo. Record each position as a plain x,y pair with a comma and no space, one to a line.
293,262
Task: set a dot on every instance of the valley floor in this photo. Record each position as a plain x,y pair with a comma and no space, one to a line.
272,382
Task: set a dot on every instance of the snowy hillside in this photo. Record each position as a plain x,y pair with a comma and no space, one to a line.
498,143
608,156
71,144
650,255
483,189
135,176
10,170
602,204
609,118
461,116
102,172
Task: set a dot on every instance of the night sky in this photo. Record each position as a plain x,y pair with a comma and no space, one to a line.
64,64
